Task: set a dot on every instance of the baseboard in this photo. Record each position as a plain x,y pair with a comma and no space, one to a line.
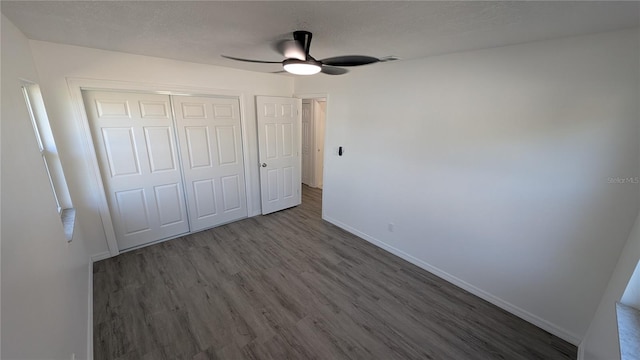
523,314
100,256
96,257
581,351
90,315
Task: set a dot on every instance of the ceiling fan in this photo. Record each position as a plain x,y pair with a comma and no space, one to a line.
298,61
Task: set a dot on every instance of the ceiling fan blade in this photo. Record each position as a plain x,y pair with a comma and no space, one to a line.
291,49
251,61
332,70
350,60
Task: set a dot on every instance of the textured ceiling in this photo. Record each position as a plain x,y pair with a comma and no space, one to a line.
202,31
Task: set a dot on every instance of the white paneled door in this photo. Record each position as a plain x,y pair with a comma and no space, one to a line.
209,132
135,144
279,133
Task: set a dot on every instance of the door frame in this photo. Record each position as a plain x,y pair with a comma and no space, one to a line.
312,146
325,96
77,85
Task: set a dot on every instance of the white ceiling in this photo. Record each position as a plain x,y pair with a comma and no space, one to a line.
202,31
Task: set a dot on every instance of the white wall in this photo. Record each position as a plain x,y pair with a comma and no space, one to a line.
601,341
56,63
493,165
44,279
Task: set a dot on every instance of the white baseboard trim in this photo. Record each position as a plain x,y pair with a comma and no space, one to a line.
581,351
523,314
90,315
100,256
96,257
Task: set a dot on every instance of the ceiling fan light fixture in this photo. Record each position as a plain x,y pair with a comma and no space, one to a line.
300,67
298,61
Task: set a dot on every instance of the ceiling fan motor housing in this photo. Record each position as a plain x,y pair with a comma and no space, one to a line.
304,39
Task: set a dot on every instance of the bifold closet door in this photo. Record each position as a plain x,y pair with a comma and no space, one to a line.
134,139
210,139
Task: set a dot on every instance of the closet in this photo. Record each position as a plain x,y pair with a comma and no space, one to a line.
169,164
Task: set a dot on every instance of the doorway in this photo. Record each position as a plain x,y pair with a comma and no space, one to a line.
314,112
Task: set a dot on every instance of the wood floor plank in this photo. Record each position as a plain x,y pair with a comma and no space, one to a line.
292,286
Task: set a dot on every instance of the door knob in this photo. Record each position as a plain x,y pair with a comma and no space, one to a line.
264,165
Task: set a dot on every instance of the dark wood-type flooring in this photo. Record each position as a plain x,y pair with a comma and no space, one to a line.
291,286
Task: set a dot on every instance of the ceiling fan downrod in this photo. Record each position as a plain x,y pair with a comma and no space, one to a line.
304,39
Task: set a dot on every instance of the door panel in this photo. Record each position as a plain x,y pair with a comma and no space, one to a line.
197,142
113,108
221,111
288,179
193,110
279,132
204,193
230,191
210,138
160,148
271,141
170,202
120,150
272,184
150,109
226,139
286,141
132,208
134,142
